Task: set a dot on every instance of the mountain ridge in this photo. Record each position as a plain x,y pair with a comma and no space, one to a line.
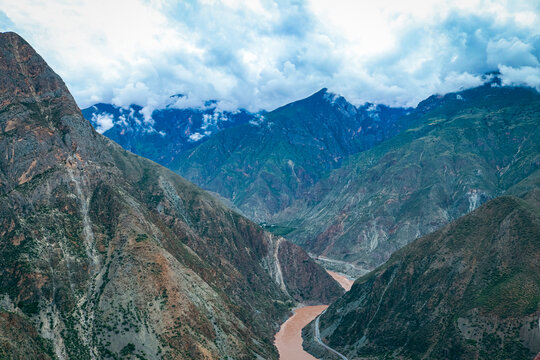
467,148
105,254
468,290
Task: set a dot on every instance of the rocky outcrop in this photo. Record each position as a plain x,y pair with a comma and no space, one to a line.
107,255
467,291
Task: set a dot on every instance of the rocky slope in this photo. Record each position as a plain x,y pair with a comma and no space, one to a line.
461,150
104,254
263,166
470,290
165,133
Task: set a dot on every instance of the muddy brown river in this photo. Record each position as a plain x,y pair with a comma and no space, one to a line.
289,338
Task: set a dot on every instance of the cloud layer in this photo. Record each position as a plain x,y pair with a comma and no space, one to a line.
259,54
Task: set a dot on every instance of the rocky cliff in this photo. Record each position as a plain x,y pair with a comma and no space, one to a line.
104,254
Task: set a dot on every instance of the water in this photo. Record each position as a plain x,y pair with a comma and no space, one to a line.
289,338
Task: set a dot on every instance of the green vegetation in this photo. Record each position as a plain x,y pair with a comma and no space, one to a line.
277,229
127,350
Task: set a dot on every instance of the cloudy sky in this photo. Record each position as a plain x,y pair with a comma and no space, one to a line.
260,54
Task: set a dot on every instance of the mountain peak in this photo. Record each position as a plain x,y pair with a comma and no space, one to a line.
26,80
23,72
325,95
13,37
38,111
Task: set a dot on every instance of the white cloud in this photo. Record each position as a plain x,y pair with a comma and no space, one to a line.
195,137
262,54
510,52
103,122
525,75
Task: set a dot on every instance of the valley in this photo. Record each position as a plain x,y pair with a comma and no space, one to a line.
352,185
198,229
357,186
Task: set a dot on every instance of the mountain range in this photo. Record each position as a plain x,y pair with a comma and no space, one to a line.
355,184
165,133
459,151
107,255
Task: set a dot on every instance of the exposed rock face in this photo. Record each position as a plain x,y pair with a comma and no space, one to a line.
107,255
263,166
460,151
470,290
20,340
301,275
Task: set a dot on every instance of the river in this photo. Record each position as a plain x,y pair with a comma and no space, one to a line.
289,338
345,282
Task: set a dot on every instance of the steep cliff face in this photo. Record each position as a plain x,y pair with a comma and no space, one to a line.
263,166
470,290
460,151
107,255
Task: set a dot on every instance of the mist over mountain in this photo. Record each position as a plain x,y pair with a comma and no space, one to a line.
164,133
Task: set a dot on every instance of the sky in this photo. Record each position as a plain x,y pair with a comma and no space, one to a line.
260,54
